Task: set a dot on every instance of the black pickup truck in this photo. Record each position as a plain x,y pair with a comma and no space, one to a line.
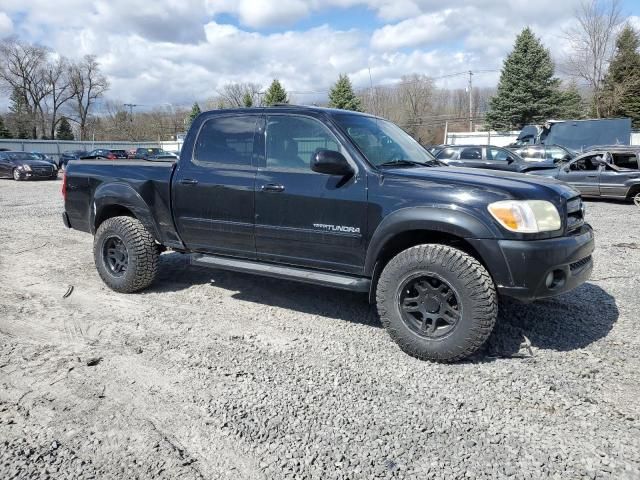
344,200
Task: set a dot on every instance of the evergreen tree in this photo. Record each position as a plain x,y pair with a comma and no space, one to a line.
528,91
342,95
570,104
64,132
275,94
4,131
195,111
622,83
20,114
247,101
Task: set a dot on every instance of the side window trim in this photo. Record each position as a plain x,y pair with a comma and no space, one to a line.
226,166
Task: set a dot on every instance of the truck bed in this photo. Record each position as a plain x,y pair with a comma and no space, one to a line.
142,187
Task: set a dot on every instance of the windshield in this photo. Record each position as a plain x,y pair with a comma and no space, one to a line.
382,142
22,156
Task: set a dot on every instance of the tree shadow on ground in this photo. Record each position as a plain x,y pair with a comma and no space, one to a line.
568,322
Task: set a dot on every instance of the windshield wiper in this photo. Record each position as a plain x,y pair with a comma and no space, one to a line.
408,163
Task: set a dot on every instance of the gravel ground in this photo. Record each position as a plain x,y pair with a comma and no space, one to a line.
221,375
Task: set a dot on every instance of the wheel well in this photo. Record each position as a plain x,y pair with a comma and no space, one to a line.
111,211
411,238
635,189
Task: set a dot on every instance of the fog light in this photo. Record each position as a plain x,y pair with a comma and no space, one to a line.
549,280
554,279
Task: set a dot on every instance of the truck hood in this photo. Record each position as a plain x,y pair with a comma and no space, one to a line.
503,184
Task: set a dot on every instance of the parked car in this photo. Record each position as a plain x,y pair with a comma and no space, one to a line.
339,199
144,153
65,157
46,158
544,153
485,156
611,173
109,154
25,166
162,155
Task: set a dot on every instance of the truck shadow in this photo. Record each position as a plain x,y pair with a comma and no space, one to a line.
568,322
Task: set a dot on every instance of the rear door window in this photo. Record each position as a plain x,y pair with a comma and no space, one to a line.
472,153
625,160
226,140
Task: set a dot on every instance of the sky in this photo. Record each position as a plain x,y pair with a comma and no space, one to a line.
172,52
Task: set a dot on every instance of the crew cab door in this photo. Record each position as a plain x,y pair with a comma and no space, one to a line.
213,189
302,217
583,173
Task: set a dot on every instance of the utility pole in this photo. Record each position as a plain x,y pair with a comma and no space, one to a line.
470,101
130,106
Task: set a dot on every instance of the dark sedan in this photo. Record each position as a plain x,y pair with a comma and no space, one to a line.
486,156
25,166
609,173
65,157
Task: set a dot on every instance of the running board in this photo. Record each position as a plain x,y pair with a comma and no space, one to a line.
344,282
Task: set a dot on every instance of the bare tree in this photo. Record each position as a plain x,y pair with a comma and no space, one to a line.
58,78
233,94
592,42
88,85
22,67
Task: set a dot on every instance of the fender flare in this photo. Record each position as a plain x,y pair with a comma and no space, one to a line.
437,219
118,194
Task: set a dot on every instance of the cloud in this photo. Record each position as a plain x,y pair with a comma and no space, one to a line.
179,51
6,25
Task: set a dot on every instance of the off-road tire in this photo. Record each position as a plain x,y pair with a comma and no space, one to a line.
16,175
467,277
143,254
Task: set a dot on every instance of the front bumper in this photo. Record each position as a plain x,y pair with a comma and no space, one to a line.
530,270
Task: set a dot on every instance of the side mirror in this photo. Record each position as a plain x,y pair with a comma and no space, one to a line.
510,160
330,162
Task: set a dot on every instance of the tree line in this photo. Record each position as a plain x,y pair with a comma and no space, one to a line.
47,91
603,67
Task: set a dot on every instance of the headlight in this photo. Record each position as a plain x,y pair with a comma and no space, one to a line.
526,216
26,168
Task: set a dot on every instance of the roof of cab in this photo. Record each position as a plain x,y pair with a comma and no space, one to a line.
286,107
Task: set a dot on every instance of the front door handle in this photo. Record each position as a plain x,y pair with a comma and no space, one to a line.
272,187
189,181
592,176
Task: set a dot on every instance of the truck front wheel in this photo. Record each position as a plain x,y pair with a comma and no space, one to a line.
125,254
437,302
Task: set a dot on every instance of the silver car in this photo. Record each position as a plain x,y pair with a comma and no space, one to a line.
602,172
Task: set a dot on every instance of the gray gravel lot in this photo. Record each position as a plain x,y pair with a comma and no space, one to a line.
221,375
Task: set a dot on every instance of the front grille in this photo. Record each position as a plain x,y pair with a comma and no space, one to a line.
575,214
579,264
42,171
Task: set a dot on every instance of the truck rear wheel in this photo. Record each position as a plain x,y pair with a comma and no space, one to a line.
437,302
125,254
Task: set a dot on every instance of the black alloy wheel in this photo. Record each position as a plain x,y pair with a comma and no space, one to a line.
116,256
429,306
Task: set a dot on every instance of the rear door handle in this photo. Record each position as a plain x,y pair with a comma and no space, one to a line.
272,187
592,176
189,181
